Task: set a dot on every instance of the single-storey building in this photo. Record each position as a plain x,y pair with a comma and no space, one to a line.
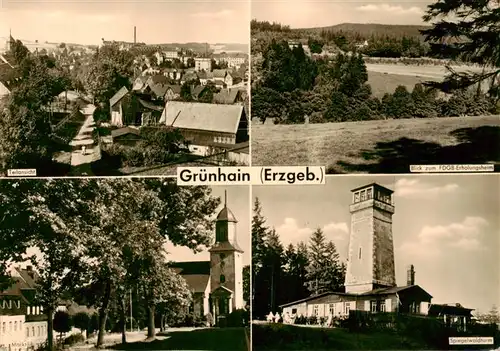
202,124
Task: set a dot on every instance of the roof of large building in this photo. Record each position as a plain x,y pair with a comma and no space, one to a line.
200,116
191,267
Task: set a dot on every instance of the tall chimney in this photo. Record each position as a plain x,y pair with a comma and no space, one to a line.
410,277
135,35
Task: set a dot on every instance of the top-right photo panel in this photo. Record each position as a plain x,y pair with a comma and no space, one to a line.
376,87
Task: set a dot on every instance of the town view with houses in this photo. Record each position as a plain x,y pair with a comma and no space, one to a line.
123,107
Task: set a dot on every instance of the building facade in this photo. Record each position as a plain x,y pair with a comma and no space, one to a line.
217,285
370,283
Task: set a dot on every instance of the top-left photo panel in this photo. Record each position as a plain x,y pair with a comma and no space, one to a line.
118,88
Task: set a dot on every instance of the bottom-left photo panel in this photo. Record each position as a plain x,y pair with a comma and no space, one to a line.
124,264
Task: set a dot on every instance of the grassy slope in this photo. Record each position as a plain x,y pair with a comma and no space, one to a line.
387,83
288,337
358,147
227,339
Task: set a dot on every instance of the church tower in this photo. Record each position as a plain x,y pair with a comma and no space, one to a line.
371,250
226,266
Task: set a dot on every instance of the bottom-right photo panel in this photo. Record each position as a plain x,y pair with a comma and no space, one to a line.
377,263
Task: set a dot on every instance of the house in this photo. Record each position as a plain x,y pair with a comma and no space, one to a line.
9,77
205,77
217,285
370,283
203,64
453,315
173,92
127,108
172,73
188,77
197,91
204,124
23,324
228,96
220,84
129,136
140,83
116,106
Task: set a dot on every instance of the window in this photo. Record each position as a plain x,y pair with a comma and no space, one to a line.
15,325
363,195
222,279
332,309
27,332
39,331
10,326
33,331
37,309
315,310
3,327
382,306
294,310
356,197
359,254
347,308
373,306
369,194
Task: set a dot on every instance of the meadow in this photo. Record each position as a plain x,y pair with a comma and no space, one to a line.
381,146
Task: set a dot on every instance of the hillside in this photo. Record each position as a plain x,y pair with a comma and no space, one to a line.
367,29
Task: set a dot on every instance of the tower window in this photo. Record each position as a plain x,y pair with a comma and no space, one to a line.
222,279
369,194
356,197
359,254
363,195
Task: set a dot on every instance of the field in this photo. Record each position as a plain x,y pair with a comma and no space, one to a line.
386,146
288,337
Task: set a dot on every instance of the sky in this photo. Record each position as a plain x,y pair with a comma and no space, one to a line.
157,21
447,226
238,201
322,13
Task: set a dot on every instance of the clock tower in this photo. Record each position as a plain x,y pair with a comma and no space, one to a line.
226,266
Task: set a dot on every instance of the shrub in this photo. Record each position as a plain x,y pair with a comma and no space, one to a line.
74,339
62,322
312,320
81,321
210,319
301,320
238,318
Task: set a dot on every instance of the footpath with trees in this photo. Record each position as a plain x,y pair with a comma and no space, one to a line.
100,244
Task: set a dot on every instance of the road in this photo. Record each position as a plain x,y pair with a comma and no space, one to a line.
84,139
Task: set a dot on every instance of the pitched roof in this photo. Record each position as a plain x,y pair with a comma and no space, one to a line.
159,79
226,96
225,246
191,267
122,131
200,116
159,89
435,309
197,90
197,282
150,105
176,89
120,94
219,73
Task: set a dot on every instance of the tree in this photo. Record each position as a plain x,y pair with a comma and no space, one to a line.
186,94
18,51
324,272
81,320
472,36
259,236
246,284
62,323
109,70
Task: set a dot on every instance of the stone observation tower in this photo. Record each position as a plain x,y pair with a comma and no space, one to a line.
371,250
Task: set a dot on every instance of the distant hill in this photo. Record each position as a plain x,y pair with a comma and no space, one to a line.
367,29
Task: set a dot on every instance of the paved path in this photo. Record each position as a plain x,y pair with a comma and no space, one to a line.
84,138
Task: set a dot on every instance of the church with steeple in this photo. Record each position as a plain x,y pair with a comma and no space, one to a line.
217,284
